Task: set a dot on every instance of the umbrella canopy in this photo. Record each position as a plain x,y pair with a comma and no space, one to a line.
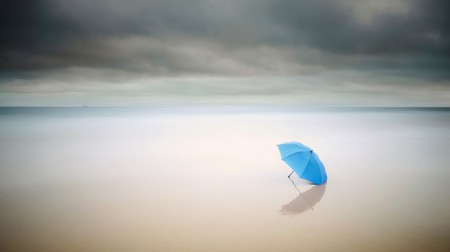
304,201
303,161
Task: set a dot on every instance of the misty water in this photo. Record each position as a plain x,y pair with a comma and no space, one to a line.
211,179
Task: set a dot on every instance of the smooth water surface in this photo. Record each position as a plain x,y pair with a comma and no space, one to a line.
211,179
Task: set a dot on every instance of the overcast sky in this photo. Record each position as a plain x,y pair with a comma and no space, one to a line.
312,52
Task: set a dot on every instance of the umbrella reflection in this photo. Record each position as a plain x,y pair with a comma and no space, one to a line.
304,201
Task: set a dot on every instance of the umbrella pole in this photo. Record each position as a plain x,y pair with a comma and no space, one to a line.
290,174
295,186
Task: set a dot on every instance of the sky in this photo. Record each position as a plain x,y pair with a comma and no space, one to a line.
143,52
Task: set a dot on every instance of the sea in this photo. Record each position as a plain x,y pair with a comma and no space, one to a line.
210,178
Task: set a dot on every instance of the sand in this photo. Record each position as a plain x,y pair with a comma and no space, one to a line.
211,179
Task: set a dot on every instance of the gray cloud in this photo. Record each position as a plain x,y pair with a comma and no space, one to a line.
51,46
347,27
48,34
123,88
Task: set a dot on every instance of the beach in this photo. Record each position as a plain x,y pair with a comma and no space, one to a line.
210,178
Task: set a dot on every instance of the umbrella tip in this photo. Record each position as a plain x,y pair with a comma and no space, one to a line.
311,151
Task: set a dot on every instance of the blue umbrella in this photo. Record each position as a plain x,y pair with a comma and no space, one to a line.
303,161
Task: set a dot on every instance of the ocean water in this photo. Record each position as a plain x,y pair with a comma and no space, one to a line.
211,179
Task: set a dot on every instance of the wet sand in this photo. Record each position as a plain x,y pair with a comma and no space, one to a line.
211,179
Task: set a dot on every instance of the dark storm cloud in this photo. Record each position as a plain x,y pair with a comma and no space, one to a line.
421,27
212,37
47,33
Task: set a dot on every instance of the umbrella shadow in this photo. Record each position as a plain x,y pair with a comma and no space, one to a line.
304,201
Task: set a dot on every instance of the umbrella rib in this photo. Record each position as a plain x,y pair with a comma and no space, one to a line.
321,174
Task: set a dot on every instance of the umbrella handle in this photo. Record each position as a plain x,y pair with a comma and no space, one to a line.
290,174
